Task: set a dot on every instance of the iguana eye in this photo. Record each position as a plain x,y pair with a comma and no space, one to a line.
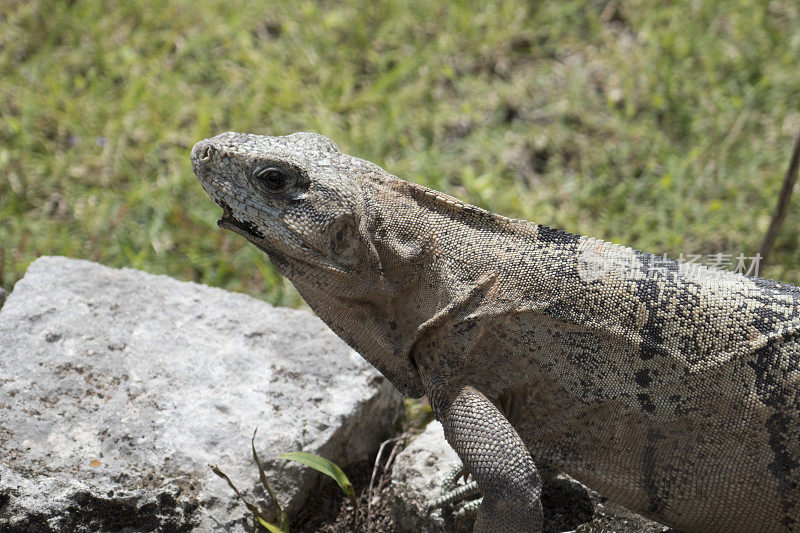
272,179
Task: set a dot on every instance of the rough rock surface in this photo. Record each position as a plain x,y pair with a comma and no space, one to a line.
421,467
117,388
417,477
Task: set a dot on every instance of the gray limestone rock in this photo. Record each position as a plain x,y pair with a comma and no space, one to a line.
118,388
417,477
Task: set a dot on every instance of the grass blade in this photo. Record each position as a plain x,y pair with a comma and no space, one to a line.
276,506
325,466
272,528
251,507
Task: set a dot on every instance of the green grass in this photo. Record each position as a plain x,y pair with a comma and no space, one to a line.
667,127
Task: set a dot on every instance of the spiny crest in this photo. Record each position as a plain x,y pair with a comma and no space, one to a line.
454,204
458,207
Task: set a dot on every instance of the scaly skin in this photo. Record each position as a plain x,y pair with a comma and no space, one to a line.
674,392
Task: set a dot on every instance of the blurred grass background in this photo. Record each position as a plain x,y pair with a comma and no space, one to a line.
661,125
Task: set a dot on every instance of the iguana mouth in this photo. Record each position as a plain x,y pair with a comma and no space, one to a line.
251,232
245,229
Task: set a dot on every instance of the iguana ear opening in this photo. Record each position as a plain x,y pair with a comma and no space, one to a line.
344,238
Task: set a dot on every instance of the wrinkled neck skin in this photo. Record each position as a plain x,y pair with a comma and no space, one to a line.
418,263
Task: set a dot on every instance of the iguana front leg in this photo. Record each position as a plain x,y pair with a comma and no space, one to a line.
495,455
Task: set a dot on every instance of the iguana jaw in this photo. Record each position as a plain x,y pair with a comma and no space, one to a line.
246,229
256,237
249,231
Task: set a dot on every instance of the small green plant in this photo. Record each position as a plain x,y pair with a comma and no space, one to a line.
320,464
274,519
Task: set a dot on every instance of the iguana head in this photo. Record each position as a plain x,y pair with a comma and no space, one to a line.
309,207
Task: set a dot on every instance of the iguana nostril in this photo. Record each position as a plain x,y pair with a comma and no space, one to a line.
203,152
207,153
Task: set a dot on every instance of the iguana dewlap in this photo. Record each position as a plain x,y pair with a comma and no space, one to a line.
673,391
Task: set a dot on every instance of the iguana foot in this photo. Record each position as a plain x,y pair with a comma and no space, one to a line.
454,494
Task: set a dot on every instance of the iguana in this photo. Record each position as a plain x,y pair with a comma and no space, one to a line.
672,391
